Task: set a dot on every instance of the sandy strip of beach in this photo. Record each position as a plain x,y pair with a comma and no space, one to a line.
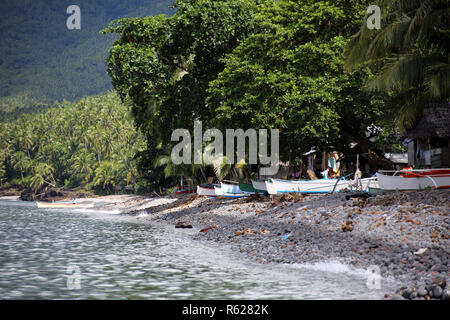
10,198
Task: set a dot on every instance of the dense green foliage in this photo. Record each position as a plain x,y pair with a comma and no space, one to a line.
12,107
165,64
91,144
410,54
42,59
289,75
246,64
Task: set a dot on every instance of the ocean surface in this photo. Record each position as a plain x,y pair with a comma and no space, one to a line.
89,254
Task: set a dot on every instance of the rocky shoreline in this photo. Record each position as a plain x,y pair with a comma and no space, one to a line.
405,235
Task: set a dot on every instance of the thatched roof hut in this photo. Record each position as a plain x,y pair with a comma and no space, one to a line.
430,142
434,123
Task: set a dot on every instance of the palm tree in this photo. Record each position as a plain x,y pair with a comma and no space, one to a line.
20,162
106,175
42,172
82,163
410,54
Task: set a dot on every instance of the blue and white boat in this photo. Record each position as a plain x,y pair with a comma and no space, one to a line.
275,186
221,194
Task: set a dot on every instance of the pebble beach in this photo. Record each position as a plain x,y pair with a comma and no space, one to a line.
405,235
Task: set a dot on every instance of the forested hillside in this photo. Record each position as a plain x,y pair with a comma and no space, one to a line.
43,61
90,144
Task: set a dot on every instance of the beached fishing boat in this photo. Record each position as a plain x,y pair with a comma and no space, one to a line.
246,187
318,185
184,190
259,186
414,179
230,188
206,190
270,187
64,205
221,194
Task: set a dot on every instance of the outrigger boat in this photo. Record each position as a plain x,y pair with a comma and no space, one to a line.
275,186
230,190
221,194
413,179
232,187
246,187
259,186
64,205
206,190
184,190
270,187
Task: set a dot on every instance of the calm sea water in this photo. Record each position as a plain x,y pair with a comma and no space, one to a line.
121,257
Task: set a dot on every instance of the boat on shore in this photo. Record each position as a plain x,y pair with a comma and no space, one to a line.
231,187
223,194
64,204
246,187
184,190
270,187
275,186
206,190
404,180
259,186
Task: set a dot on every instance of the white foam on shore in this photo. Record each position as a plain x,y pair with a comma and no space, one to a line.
142,214
332,266
85,210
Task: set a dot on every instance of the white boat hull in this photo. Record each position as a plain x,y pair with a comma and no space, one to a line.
209,192
230,188
316,186
259,185
271,188
398,182
63,205
221,194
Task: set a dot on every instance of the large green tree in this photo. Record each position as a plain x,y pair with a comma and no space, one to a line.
289,75
164,65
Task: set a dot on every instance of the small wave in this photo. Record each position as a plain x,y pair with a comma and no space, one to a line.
331,266
85,210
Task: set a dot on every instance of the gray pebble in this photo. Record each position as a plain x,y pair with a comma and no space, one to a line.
422,292
437,292
413,295
440,281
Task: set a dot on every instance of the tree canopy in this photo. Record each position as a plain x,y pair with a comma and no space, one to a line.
246,64
410,55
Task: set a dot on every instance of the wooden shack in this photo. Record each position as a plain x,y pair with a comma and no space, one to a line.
428,141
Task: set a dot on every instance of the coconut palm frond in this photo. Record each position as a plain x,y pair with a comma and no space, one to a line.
437,80
369,44
162,161
402,72
221,168
418,20
410,111
388,39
